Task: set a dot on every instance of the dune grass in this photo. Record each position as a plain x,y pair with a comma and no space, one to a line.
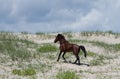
68,34
24,72
47,47
77,41
110,47
97,33
44,35
91,54
42,67
67,75
98,60
15,47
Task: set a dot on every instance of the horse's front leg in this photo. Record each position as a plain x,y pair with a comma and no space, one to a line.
59,55
64,57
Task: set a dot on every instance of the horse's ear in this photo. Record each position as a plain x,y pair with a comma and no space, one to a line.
62,36
59,34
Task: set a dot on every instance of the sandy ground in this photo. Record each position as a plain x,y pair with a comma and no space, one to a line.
110,70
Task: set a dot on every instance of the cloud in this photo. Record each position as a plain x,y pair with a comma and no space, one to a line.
89,20
59,15
110,10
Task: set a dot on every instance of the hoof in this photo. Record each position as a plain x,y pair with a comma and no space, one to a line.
70,62
74,63
78,64
88,65
65,62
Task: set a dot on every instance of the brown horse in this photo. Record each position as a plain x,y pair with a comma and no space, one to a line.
65,46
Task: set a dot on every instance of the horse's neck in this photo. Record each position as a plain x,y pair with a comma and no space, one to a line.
63,41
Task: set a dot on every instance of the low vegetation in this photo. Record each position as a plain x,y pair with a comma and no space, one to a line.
91,54
16,48
24,72
110,47
68,34
98,33
67,75
47,48
99,60
45,35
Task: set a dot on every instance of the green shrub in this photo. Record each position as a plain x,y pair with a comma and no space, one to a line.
48,48
17,72
24,72
67,75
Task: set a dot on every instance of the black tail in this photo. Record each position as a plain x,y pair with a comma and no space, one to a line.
84,50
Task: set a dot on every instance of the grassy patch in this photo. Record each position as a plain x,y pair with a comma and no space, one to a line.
67,75
47,48
15,51
99,60
16,48
89,53
24,72
92,54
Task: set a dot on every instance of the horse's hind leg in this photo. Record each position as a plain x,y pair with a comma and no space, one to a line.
64,57
59,55
77,59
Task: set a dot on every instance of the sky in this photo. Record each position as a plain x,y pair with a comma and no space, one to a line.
59,15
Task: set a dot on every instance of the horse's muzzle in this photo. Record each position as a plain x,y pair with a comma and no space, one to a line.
54,41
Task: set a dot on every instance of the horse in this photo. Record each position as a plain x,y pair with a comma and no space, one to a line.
65,46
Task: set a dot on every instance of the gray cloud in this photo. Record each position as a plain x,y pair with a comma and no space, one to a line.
59,15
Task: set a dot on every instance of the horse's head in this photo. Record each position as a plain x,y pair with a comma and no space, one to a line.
58,38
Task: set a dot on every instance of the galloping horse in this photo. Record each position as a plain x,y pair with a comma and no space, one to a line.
65,46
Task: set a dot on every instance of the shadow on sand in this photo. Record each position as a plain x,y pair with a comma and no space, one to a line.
77,63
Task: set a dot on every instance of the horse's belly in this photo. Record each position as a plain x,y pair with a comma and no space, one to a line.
66,48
